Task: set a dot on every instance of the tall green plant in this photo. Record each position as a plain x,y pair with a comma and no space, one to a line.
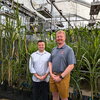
94,73
1,54
13,48
86,44
91,59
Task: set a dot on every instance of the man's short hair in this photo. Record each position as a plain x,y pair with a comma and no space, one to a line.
60,31
40,41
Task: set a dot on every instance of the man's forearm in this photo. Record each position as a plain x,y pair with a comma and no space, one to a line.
45,75
36,75
67,70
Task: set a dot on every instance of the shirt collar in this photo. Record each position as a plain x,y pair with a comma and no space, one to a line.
62,47
38,52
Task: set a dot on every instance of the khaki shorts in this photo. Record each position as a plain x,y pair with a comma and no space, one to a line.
61,87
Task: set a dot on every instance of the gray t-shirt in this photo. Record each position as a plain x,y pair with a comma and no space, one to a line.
61,58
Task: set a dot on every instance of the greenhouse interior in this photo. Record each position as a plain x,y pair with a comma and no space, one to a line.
24,22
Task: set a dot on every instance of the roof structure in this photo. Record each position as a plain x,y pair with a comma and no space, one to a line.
65,12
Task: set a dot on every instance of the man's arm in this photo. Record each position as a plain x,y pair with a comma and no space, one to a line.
31,68
39,77
31,65
67,70
50,69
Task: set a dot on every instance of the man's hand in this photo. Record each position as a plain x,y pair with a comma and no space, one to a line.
56,78
43,77
40,77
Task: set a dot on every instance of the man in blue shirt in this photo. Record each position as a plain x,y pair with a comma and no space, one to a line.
61,63
38,66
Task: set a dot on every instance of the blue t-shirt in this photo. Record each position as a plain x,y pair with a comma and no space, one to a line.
61,58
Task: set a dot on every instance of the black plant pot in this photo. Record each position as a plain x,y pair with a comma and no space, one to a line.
76,95
85,98
96,98
69,98
4,85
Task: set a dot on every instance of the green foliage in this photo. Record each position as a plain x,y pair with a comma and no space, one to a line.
32,47
15,51
50,46
86,44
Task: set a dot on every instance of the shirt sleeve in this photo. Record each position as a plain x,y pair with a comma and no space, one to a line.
31,65
71,57
50,59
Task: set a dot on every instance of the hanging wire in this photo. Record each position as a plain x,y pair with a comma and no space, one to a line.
48,2
32,5
69,24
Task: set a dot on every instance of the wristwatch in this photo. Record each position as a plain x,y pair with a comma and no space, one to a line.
61,77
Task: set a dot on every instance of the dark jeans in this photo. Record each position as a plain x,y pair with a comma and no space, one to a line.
40,91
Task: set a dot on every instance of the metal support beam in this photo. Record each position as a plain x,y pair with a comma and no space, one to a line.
71,15
52,1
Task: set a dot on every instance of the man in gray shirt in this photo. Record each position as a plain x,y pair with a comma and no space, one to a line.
61,63
38,66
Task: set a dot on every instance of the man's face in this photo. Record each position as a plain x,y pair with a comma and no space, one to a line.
60,38
41,46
